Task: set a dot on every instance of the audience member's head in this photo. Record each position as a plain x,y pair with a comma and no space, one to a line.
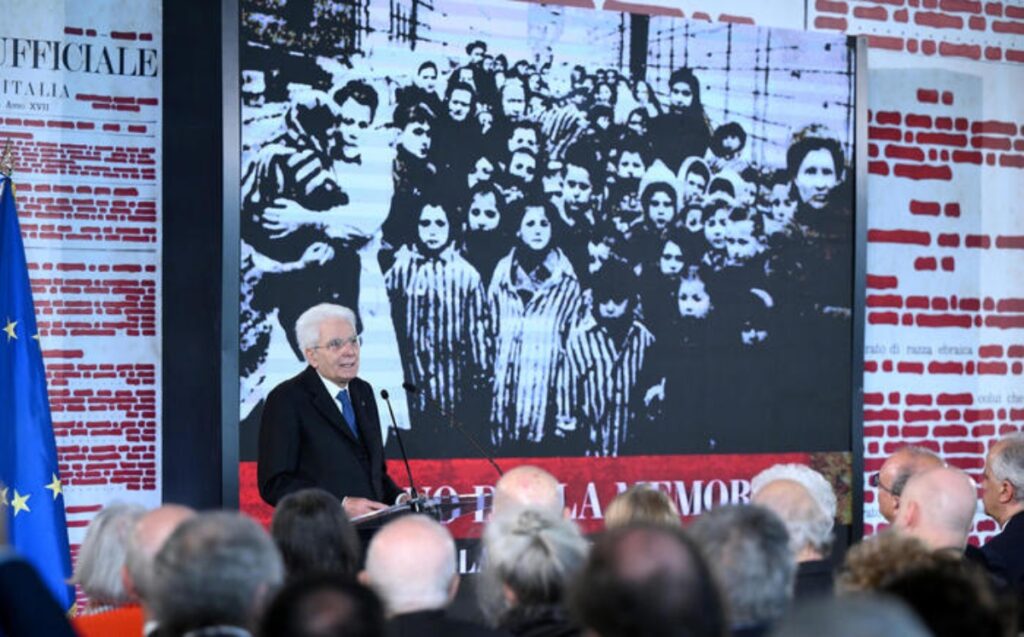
531,557
216,569
954,597
313,534
411,565
748,550
895,472
101,557
528,486
877,559
324,605
641,504
146,539
1002,486
805,502
651,581
853,616
937,507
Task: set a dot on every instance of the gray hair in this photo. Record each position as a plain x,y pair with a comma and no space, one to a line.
388,559
534,553
307,327
102,554
1008,463
815,531
853,616
747,547
217,568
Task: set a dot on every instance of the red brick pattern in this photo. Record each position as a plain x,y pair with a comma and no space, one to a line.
945,316
968,29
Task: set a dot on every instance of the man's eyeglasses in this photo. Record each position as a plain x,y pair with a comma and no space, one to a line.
335,345
875,480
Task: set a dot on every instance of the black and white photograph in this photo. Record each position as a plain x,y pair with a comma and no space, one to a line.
581,232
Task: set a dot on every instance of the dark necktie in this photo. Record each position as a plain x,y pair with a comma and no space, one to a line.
347,412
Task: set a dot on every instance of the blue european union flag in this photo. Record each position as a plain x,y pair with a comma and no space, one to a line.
30,491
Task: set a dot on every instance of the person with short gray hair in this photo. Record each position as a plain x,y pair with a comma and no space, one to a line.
530,558
808,511
1002,492
214,575
307,327
102,555
321,428
805,502
747,547
99,572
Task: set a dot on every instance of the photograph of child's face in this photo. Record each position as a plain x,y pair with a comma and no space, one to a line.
693,299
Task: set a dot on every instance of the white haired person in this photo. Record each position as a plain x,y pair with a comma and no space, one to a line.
98,571
805,501
531,558
321,428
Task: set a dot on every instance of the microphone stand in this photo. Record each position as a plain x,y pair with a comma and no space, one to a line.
415,502
457,426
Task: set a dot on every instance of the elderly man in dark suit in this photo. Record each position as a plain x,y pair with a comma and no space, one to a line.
321,428
1002,491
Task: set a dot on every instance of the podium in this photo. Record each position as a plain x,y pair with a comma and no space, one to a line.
444,509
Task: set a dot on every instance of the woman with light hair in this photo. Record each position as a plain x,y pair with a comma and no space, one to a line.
531,557
98,571
641,504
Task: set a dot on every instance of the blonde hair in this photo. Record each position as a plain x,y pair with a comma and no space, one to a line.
642,504
879,559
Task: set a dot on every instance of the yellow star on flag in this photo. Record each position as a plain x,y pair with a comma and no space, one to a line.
21,502
9,329
3,497
55,486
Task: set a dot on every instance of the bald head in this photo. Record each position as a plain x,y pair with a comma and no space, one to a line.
411,565
528,486
937,506
809,527
895,473
147,538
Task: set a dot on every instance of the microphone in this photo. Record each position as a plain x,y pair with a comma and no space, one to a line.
401,447
456,425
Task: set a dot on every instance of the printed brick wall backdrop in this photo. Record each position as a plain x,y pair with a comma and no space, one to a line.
965,29
945,306
80,96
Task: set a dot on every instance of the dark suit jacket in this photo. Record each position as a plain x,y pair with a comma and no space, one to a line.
434,622
1004,553
26,606
304,442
